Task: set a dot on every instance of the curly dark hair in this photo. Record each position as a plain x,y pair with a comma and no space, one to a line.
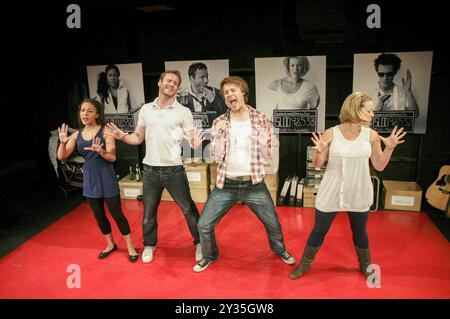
388,59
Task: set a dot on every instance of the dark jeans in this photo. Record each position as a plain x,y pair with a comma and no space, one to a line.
219,202
98,207
323,221
174,179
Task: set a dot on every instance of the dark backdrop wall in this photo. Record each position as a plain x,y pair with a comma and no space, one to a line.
45,65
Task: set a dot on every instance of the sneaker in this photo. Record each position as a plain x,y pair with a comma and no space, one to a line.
287,258
202,265
147,254
198,252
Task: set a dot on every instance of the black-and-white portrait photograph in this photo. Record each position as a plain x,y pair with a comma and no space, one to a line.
120,89
200,88
398,83
292,83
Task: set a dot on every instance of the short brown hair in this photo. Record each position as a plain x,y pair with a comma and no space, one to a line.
351,108
239,82
175,72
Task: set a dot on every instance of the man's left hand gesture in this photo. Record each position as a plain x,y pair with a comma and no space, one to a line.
407,83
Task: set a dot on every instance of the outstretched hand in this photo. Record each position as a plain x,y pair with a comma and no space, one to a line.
112,130
96,145
197,138
62,133
320,143
394,139
407,83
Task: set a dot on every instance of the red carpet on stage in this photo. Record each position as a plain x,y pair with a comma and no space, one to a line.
414,259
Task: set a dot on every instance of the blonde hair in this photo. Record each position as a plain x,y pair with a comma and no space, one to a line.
351,108
239,82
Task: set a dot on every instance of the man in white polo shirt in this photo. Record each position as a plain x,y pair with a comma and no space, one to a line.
163,124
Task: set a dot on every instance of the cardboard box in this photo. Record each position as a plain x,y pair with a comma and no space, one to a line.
213,172
309,196
130,189
271,180
273,193
401,195
198,177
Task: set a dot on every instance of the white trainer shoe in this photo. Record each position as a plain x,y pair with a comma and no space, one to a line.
287,258
198,252
147,254
202,265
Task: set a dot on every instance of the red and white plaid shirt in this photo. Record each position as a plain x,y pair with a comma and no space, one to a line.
260,146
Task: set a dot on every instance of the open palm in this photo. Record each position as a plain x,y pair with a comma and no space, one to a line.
62,133
406,83
198,137
394,139
96,145
112,130
320,142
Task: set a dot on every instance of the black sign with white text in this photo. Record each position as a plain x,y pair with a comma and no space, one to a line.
124,121
384,122
295,121
204,119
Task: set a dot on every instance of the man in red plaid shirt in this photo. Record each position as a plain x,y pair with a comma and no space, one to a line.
241,142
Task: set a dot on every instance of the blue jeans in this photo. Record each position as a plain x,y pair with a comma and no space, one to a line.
257,198
323,221
174,179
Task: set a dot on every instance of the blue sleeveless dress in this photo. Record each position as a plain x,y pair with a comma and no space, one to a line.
99,177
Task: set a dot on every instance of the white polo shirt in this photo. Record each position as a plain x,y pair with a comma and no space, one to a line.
164,130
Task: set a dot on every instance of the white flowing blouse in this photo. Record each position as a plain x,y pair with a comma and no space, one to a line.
346,184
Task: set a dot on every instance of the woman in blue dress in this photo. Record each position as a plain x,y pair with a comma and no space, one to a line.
99,177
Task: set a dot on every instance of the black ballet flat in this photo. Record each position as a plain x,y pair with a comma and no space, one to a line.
133,258
106,254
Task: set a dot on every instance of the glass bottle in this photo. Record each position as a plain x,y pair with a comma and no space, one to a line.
138,173
131,174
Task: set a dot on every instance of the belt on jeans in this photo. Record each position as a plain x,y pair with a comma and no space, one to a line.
240,178
162,168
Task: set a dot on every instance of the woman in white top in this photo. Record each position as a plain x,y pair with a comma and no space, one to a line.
293,91
346,184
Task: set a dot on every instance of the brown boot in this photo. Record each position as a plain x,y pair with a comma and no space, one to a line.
308,256
364,260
